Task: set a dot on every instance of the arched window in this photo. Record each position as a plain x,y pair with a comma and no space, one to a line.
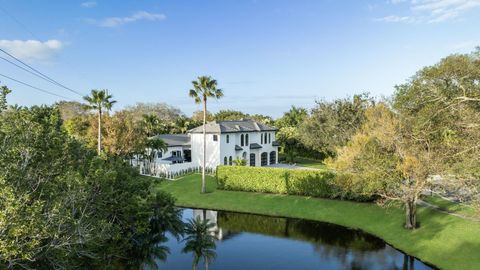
246,139
264,159
228,138
273,157
269,137
230,160
241,140
225,161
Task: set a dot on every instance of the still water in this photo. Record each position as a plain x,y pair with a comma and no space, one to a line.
246,241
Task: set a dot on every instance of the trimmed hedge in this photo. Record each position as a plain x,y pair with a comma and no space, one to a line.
315,183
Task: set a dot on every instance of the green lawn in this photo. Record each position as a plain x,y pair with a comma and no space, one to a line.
451,207
445,241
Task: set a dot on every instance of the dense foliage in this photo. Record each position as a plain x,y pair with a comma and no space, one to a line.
316,183
62,207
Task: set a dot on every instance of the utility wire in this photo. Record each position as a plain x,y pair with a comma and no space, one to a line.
45,77
29,71
34,87
18,22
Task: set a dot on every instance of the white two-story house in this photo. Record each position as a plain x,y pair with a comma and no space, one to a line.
226,141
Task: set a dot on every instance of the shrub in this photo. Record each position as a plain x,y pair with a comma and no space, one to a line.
316,183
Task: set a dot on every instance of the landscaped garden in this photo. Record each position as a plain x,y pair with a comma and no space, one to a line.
445,241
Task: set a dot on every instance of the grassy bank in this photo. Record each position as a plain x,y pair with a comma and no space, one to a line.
445,241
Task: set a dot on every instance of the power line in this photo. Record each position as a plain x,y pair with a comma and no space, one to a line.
34,87
17,65
18,22
45,77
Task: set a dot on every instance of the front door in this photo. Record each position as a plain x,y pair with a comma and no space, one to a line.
252,160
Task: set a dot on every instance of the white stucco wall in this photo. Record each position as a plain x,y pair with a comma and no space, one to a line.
213,150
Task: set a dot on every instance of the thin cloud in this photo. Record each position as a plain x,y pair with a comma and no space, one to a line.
89,4
32,50
431,11
111,22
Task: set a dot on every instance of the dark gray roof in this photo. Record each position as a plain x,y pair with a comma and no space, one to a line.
174,139
255,146
172,158
238,148
233,126
275,143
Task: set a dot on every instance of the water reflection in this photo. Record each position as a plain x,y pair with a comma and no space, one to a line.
246,241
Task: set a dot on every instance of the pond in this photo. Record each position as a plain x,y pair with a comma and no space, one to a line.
247,241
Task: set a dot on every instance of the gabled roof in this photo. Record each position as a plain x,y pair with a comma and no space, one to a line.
246,125
174,139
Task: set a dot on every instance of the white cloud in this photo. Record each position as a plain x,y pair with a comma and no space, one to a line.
137,16
32,50
89,4
432,11
395,18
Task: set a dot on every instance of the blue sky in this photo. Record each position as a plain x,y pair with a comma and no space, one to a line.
266,54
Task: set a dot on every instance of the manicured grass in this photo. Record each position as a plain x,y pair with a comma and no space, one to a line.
310,163
445,241
450,206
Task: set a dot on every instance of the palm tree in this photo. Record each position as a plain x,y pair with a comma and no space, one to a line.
199,241
150,124
203,88
99,100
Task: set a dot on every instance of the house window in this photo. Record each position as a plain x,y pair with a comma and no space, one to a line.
246,140
230,160
215,138
225,161
241,140
261,138
228,138
269,137
265,138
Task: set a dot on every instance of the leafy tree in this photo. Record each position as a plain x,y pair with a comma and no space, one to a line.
165,113
332,124
380,161
63,207
123,136
151,124
197,116
288,134
264,119
71,109
203,88
223,115
99,100
183,124
4,91
199,241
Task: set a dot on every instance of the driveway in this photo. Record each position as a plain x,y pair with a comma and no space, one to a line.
289,166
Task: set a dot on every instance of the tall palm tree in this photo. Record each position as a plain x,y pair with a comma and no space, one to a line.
203,88
99,100
199,241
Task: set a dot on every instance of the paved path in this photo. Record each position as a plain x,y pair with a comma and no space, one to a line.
439,209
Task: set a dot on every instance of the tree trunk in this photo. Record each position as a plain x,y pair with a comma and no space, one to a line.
99,139
411,214
204,143
206,263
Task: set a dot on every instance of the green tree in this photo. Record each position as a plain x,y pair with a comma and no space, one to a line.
151,124
4,91
288,134
223,115
332,124
99,100
199,241
203,88
71,109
